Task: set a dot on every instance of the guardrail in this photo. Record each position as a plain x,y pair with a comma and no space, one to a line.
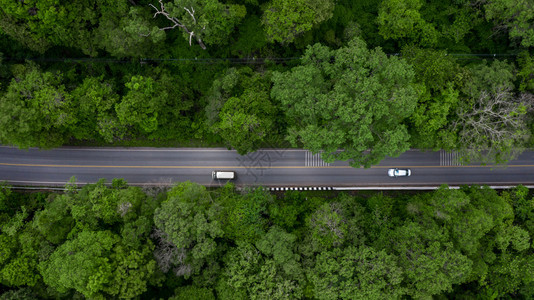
299,188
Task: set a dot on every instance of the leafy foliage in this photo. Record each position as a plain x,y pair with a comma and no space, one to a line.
141,104
270,269
82,264
441,77
401,19
124,73
41,24
97,101
243,217
284,20
355,273
55,221
228,245
348,99
104,263
516,16
131,36
38,109
188,220
526,72
113,73
245,113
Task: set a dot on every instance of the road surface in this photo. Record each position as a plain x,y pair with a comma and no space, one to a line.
270,168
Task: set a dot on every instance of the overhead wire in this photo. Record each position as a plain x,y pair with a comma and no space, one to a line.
212,60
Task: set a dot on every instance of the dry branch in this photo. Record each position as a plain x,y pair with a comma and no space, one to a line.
178,23
495,126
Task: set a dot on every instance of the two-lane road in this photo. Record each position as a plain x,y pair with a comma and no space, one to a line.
281,167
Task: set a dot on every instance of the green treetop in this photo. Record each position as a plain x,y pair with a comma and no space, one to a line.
353,99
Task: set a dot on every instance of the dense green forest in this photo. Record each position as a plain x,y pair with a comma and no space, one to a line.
372,77
188,242
377,75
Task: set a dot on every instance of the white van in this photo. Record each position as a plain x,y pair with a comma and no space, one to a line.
227,175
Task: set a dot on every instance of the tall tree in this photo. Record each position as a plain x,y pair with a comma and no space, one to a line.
328,226
155,104
245,121
523,204
38,110
243,216
526,72
97,204
82,264
245,113
442,78
269,270
96,265
352,98
135,270
492,122
41,24
430,262
129,32
513,16
188,228
142,104
95,114
398,19
54,222
356,273
285,20
466,222
18,266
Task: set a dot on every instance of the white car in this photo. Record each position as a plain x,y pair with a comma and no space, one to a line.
399,172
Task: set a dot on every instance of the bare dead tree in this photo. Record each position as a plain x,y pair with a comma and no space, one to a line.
327,225
124,208
178,23
157,186
495,128
167,255
477,4
182,270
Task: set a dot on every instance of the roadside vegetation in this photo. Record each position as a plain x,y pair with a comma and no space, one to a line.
122,242
378,75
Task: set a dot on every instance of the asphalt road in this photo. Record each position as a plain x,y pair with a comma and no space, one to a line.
272,168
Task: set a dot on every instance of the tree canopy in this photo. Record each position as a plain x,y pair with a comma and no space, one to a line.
352,98
187,242
353,80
